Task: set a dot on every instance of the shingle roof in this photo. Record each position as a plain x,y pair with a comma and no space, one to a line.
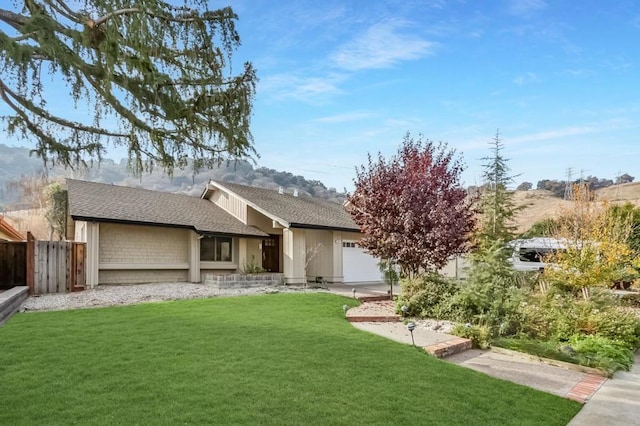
102,202
300,212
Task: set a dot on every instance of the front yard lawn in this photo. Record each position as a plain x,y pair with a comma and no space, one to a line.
277,359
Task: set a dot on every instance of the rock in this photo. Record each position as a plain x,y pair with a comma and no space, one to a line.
567,350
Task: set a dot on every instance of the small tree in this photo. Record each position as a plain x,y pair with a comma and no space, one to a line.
56,210
597,253
389,274
496,207
411,208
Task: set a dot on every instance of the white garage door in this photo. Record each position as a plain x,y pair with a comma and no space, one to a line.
357,265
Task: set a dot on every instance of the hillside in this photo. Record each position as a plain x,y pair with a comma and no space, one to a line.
16,162
540,204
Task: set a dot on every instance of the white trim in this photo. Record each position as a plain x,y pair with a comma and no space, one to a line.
132,266
217,265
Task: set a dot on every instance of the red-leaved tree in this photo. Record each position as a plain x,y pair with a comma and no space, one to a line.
412,208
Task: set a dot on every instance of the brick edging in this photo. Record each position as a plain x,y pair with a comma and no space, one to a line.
586,388
373,298
364,318
450,347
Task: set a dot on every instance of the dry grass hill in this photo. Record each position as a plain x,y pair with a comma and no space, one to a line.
539,205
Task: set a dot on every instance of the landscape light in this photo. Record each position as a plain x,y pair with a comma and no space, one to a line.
411,326
404,310
345,308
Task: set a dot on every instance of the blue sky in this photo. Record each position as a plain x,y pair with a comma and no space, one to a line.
340,79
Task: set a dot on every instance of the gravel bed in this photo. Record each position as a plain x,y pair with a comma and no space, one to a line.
116,295
441,326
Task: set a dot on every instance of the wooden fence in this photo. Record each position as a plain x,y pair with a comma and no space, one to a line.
58,267
43,266
13,264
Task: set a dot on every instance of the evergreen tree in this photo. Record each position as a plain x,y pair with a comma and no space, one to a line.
496,206
152,76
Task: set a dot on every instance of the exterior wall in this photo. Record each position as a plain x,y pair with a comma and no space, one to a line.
262,222
143,276
293,248
319,254
80,231
135,254
135,244
194,257
337,275
253,247
456,267
231,204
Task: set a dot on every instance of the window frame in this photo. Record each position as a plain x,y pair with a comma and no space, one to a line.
216,248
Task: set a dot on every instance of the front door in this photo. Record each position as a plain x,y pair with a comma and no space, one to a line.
271,254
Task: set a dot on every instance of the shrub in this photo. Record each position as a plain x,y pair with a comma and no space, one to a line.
560,317
603,353
428,295
251,268
480,335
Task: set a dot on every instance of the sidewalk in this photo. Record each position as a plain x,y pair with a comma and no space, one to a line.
617,402
613,401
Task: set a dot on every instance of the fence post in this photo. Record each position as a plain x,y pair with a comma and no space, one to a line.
30,262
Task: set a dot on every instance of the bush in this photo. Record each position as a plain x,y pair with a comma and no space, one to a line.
480,335
428,296
603,353
561,317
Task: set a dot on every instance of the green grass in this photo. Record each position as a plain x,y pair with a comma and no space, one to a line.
277,359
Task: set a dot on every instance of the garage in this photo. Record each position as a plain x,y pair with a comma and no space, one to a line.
358,266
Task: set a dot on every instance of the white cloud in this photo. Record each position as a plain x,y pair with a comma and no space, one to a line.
555,134
526,7
381,46
526,78
313,90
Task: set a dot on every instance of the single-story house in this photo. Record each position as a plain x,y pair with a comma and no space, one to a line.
136,235
8,232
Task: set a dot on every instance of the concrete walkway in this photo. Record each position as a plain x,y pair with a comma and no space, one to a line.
510,366
617,402
614,401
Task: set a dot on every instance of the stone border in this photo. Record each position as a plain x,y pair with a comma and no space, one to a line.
563,364
11,300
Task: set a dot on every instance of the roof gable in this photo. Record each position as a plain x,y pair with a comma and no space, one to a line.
103,202
296,211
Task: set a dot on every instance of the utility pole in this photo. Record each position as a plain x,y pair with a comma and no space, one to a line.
568,188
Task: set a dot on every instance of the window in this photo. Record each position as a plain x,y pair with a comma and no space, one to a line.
215,249
535,254
349,244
